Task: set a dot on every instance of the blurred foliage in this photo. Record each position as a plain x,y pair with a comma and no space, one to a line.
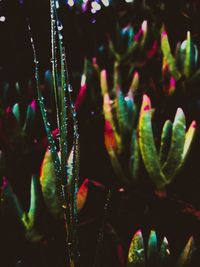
135,70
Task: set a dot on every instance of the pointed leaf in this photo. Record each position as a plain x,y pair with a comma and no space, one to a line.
152,249
136,255
168,56
144,28
147,145
164,254
189,138
109,137
103,81
187,253
82,194
30,114
49,187
130,107
135,83
122,113
187,64
16,111
135,156
174,158
165,141
30,219
187,56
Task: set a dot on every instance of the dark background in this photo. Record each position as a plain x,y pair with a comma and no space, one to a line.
83,33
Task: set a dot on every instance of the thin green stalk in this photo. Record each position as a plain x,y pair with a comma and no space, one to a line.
54,60
72,186
52,145
63,110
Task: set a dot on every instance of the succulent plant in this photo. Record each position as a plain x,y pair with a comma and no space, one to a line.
120,124
174,148
183,64
27,219
50,188
130,48
157,255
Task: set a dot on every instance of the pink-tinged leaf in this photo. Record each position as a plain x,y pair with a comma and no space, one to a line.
147,145
168,55
33,104
136,255
49,186
151,53
81,96
165,67
146,103
144,28
110,140
172,85
82,194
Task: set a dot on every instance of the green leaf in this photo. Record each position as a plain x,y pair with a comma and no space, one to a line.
16,112
187,56
124,38
122,113
187,253
144,28
103,82
164,254
135,83
187,65
165,141
30,114
152,249
8,193
174,158
136,255
131,110
29,220
49,187
168,55
189,138
135,156
147,145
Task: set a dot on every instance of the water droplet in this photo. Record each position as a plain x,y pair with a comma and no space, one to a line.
60,26
2,19
105,2
70,88
70,3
